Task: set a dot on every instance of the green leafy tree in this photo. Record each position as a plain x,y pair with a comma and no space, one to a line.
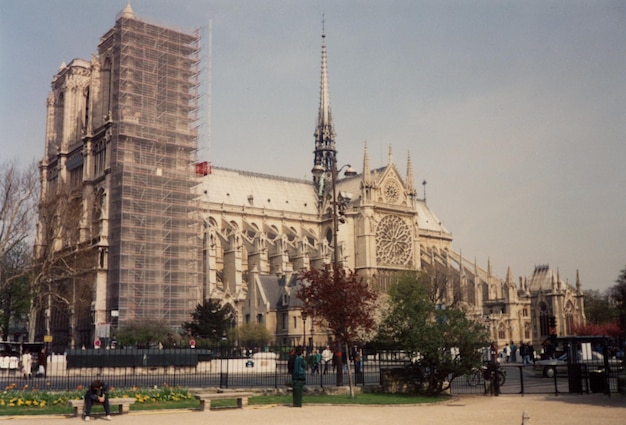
211,321
146,334
598,308
250,335
443,344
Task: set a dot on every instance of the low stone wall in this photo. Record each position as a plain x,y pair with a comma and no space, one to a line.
258,363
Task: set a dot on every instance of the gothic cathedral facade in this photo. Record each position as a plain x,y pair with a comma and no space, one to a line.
149,232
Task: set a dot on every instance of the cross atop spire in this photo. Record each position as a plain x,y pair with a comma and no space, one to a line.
325,152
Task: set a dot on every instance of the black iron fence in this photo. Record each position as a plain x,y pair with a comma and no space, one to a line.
517,378
229,367
222,367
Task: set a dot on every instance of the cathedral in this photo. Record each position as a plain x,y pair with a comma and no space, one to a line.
161,231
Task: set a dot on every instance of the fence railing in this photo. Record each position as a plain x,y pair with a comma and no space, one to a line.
234,367
222,367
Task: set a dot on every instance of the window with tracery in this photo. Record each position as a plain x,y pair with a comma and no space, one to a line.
394,243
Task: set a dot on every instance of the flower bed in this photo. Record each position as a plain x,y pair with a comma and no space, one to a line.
13,398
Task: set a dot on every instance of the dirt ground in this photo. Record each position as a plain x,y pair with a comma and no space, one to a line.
470,410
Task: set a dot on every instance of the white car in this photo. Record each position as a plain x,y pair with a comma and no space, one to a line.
549,367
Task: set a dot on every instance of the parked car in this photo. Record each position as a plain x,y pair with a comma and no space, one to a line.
559,366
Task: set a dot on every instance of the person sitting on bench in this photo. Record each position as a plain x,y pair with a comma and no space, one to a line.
98,393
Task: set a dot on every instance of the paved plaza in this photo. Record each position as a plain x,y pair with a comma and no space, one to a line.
470,410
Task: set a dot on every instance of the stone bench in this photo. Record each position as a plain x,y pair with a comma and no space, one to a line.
205,398
123,404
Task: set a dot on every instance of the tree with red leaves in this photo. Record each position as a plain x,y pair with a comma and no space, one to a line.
340,300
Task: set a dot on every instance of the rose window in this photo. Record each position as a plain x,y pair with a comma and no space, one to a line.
394,244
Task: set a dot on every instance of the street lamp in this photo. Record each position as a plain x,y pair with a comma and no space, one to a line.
304,316
344,198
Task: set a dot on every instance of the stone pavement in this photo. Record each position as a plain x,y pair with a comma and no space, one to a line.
470,410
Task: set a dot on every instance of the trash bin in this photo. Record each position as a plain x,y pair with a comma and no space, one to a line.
596,381
575,376
298,389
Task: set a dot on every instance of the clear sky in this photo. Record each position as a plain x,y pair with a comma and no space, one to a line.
514,112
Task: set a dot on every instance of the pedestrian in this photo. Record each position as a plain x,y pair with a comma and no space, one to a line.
42,361
327,357
291,361
27,364
314,362
298,377
513,349
357,356
98,393
506,353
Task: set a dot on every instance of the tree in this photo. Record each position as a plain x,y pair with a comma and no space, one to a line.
18,198
63,268
145,334
340,300
444,344
19,190
598,308
15,290
618,298
211,320
250,335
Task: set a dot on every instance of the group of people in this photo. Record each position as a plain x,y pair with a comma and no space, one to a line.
511,353
26,363
320,363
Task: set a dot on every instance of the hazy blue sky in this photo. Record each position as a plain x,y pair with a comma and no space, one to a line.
513,111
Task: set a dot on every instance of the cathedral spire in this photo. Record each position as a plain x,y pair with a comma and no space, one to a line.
367,175
509,275
325,152
128,12
410,183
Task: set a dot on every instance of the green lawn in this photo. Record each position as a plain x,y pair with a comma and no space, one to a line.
60,408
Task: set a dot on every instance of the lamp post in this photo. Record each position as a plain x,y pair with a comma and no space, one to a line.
304,344
320,171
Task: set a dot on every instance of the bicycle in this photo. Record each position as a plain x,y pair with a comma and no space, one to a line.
474,377
478,375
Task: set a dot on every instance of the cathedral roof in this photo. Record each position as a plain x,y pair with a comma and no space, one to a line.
235,187
427,220
545,279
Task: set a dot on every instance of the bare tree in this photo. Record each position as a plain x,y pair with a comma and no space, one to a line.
62,264
19,190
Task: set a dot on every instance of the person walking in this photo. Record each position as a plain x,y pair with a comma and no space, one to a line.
27,364
298,377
